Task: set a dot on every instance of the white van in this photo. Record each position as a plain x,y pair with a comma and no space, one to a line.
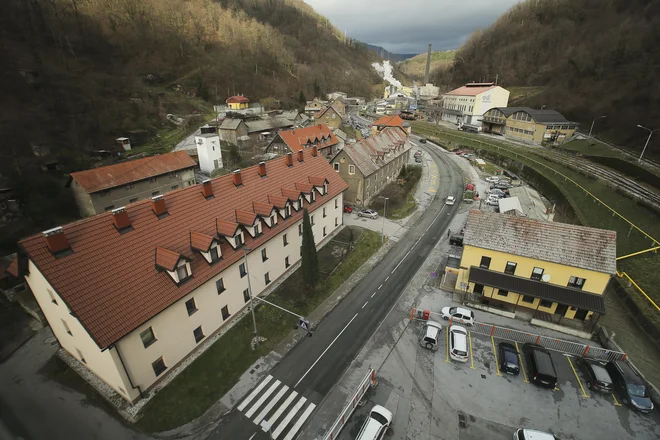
458,340
530,434
430,335
376,425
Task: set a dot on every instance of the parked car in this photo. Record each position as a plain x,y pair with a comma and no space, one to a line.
450,200
458,314
376,425
458,343
469,187
422,140
456,240
431,335
418,159
501,187
369,213
531,434
348,209
629,386
598,379
492,179
493,201
418,153
541,368
459,152
497,192
508,358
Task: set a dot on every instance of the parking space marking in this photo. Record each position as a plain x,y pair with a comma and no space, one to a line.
522,367
616,402
471,355
497,365
584,393
447,346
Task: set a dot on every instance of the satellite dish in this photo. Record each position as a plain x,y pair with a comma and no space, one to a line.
545,277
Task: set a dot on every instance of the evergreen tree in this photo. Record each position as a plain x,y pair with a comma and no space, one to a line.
310,262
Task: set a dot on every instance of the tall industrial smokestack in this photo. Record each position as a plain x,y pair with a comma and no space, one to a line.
428,66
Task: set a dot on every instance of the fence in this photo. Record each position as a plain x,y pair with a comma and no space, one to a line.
368,381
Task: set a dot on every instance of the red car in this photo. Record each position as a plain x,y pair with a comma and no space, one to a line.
469,187
348,209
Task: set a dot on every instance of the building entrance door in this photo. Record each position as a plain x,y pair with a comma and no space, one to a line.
581,314
561,309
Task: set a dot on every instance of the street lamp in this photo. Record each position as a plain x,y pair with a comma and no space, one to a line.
247,270
382,231
647,140
592,125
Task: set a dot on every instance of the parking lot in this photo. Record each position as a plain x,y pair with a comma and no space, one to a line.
433,396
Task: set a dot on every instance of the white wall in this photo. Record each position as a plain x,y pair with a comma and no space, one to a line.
208,151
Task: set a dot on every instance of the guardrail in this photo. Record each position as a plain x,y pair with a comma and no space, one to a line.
366,383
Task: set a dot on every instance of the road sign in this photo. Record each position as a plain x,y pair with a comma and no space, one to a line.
304,324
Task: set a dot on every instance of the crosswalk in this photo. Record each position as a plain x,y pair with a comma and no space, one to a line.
278,406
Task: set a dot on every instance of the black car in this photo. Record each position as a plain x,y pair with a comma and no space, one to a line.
422,140
629,386
541,368
508,358
598,379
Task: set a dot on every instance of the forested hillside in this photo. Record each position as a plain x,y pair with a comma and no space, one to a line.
592,58
76,74
415,67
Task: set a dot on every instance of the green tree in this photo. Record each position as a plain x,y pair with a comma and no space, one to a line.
301,98
310,262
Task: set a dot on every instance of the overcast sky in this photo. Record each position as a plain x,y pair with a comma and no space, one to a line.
409,26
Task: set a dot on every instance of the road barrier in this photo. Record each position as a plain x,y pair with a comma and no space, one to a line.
369,381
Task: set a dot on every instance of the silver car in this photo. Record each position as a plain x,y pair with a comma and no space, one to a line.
368,213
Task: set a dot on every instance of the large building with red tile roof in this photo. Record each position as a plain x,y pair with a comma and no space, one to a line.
101,189
468,103
390,121
133,292
318,135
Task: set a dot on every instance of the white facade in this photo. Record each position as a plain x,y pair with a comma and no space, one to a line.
209,152
469,109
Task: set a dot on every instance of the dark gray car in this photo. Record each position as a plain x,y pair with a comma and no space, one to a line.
508,358
598,379
630,386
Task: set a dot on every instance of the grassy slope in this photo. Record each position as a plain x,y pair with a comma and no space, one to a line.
415,67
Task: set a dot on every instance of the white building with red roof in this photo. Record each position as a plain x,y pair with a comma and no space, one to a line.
319,136
468,103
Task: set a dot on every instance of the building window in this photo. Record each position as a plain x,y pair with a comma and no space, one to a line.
336,221
286,262
81,357
537,273
485,262
155,193
133,200
336,166
267,278
191,307
336,203
545,303
301,251
351,169
324,214
148,337
159,366
199,334
220,286
527,299
311,219
52,296
153,180
225,313
257,229
241,269
478,288
239,239
215,255
576,283
300,229
287,210
272,220
501,292
68,330
175,186
246,295
324,234
182,272
264,256
510,267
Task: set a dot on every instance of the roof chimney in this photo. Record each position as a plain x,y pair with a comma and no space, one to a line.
238,181
158,206
207,189
56,240
314,151
300,156
120,218
289,159
262,169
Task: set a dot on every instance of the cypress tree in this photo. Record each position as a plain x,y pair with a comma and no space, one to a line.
310,262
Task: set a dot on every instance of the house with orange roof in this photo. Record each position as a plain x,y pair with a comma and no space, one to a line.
105,188
133,293
468,103
390,121
291,141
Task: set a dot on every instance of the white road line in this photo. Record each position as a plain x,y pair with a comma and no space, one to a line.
281,409
324,351
387,278
365,304
254,393
380,286
292,433
252,436
404,257
271,404
372,295
288,418
262,399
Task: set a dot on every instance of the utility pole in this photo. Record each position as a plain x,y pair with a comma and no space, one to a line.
254,319
647,140
592,126
382,231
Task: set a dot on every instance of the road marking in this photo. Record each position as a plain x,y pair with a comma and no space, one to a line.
404,257
262,399
387,278
568,358
497,365
447,345
380,286
522,367
292,433
324,351
471,355
252,436
616,402
288,417
372,295
365,304
281,409
254,393
271,404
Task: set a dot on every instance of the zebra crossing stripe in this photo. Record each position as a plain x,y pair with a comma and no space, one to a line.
300,422
254,393
262,399
288,418
281,409
271,404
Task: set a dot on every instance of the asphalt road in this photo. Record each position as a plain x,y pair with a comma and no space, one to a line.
313,367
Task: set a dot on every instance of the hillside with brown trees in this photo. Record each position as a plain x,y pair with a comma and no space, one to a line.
589,58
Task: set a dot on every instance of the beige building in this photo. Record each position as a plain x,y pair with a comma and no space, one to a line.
133,292
329,116
528,124
467,104
291,141
370,164
106,188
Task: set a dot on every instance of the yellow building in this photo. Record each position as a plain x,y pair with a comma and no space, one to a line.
556,270
238,102
528,124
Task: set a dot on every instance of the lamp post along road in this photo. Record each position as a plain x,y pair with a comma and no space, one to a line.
592,126
382,230
254,319
647,140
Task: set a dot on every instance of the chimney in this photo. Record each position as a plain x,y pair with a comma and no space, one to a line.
56,240
262,169
300,156
314,151
289,159
158,206
207,189
238,181
120,218
428,66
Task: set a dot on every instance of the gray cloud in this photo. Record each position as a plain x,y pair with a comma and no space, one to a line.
409,26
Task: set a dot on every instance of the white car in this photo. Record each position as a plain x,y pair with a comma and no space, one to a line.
493,201
376,425
458,315
531,434
369,213
450,200
493,179
458,343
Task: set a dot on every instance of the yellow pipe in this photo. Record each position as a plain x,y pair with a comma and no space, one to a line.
638,253
623,274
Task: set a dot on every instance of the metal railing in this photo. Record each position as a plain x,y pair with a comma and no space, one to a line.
366,383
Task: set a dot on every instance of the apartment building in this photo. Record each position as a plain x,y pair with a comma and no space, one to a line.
133,292
290,141
466,104
106,188
528,124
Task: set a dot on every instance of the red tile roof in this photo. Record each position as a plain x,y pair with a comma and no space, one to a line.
317,181
262,208
167,259
109,280
201,242
304,187
389,121
98,179
292,194
472,89
278,201
237,99
298,139
226,228
245,218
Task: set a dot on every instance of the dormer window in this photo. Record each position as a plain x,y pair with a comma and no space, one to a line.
313,195
215,254
325,188
257,229
183,271
300,202
287,210
238,239
273,220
